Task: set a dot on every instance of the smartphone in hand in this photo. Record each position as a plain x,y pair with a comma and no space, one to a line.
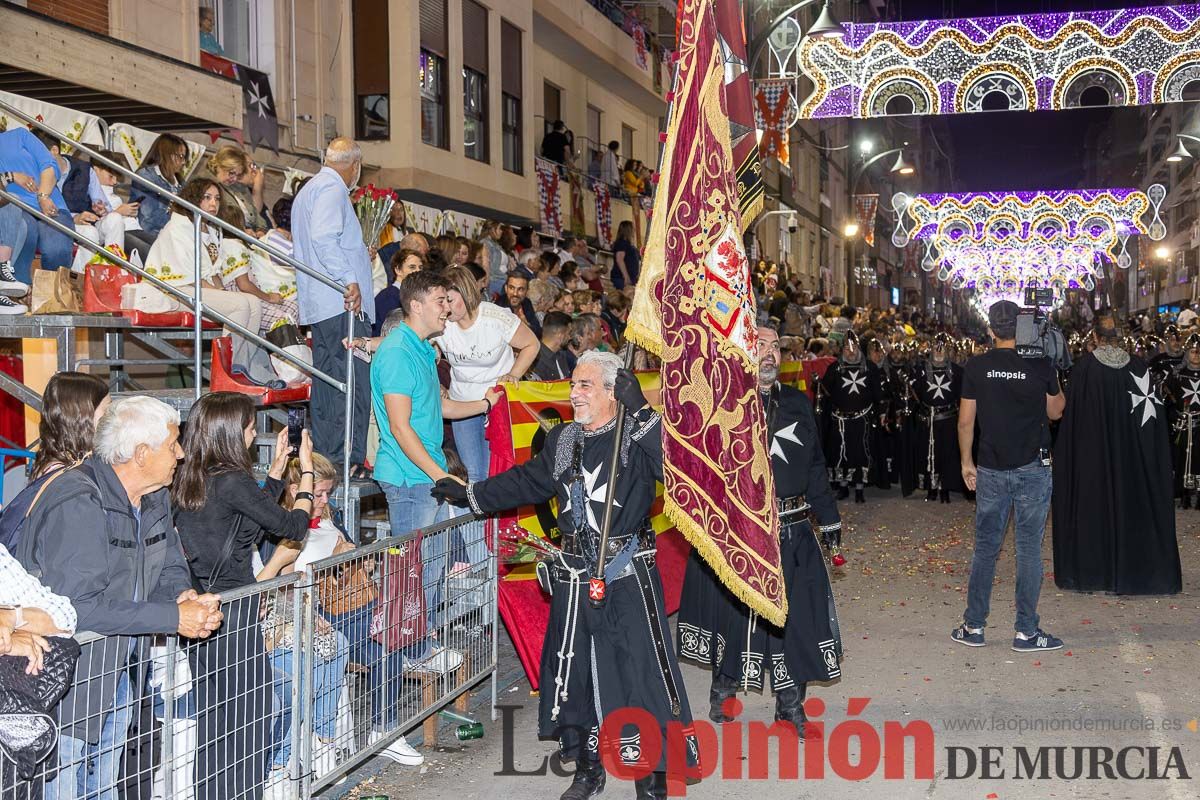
295,423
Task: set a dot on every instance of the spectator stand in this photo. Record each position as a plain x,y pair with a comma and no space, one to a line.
63,334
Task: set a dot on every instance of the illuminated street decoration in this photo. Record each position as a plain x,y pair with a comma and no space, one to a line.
1025,62
1101,220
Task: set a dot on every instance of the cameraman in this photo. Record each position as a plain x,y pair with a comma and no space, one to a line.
1015,399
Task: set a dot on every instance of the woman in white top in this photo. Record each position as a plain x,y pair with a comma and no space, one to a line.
172,260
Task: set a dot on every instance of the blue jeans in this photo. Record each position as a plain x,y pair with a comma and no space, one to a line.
13,229
57,248
470,439
413,507
996,492
385,673
327,683
91,770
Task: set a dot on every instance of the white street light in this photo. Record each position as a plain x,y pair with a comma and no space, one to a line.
903,167
851,230
866,146
1181,154
1163,252
827,26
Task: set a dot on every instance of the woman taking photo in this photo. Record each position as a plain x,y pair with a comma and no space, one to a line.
222,515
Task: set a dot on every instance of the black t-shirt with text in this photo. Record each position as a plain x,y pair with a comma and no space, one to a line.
1010,396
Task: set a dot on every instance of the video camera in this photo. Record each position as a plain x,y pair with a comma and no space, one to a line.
1037,336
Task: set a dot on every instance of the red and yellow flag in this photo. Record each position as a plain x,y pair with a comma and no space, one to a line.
695,309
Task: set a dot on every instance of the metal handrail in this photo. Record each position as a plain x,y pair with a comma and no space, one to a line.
199,214
93,247
96,157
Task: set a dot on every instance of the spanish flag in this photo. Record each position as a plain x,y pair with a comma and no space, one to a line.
695,309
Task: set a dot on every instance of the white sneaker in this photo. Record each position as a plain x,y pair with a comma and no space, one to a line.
441,662
9,285
399,751
12,308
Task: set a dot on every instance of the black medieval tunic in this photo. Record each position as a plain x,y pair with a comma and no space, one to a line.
850,395
938,390
1182,394
1114,520
717,630
596,661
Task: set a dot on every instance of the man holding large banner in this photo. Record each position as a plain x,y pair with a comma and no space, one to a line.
618,655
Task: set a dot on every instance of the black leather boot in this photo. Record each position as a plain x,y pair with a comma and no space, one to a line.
789,707
651,787
859,497
843,491
931,495
945,495
1185,500
722,689
588,781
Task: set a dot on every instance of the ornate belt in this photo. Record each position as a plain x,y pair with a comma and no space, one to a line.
792,505
859,415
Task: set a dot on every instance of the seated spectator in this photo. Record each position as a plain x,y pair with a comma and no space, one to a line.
172,260
404,263
270,274
108,220
12,238
549,269
101,535
627,256
528,239
553,360
237,271
397,227
455,249
543,295
208,37
242,183
616,314
163,166
514,297
21,152
587,333
222,514
585,302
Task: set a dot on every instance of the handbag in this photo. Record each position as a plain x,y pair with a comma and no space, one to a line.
399,618
226,551
287,337
28,731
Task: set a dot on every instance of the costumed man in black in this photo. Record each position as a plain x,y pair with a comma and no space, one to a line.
896,437
1114,519
1182,390
597,660
937,383
719,631
1168,359
850,396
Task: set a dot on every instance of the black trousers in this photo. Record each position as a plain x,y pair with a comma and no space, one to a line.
233,703
328,405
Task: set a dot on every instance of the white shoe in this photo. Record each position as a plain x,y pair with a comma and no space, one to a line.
11,308
399,751
441,662
9,285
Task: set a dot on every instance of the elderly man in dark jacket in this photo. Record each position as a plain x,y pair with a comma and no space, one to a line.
102,535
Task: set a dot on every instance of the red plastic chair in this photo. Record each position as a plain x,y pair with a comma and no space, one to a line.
223,379
102,285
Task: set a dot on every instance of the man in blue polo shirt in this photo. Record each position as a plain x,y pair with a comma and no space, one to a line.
21,152
410,408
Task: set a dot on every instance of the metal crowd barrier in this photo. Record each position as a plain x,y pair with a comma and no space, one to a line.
310,675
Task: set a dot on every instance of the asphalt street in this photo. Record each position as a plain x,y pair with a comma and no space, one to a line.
1119,697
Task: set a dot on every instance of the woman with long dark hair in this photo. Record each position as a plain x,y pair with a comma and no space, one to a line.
627,257
164,166
71,406
222,515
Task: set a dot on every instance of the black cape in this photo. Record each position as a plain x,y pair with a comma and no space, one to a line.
1114,519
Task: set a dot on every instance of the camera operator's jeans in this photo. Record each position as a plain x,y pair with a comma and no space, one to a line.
996,492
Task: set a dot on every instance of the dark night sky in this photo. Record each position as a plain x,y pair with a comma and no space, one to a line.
1015,150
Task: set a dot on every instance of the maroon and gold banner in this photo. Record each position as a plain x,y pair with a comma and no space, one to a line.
866,206
739,103
695,309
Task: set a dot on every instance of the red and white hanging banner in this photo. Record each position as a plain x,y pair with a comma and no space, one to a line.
604,231
549,208
866,206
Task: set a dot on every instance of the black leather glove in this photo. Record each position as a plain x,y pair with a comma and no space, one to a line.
448,490
629,391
